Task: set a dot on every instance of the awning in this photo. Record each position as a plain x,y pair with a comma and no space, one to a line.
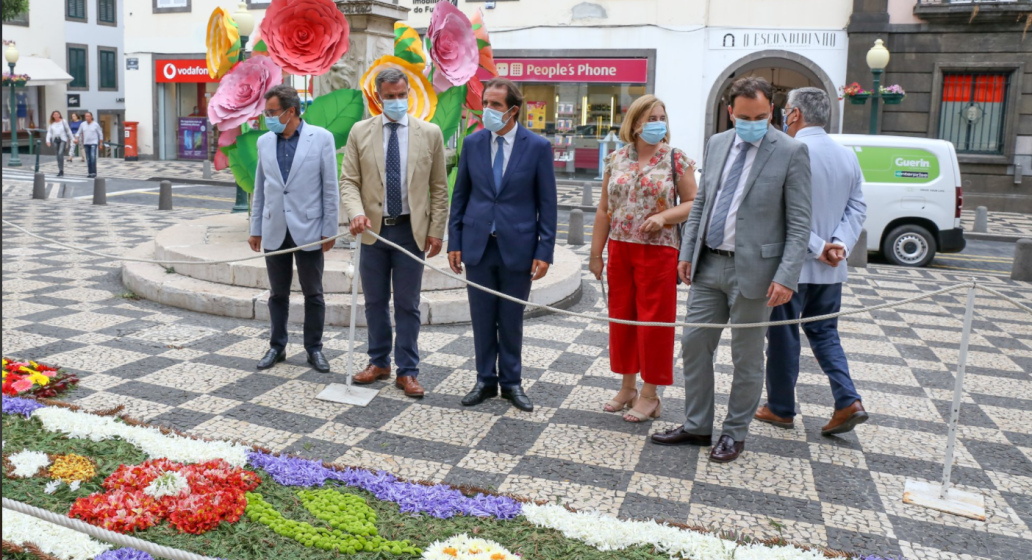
41,71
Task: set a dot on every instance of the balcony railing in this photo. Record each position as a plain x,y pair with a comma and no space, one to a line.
988,11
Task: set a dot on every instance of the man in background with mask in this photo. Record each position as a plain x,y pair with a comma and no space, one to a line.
295,203
744,246
394,183
502,226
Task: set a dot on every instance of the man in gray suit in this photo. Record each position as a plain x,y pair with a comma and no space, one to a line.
744,246
295,203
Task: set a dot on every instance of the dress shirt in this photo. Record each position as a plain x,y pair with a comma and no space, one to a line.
509,138
402,133
90,134
285,148
732,213
838,204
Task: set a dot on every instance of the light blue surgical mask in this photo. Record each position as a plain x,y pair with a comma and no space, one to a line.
395,109
493,119
751,131
274,124
653,132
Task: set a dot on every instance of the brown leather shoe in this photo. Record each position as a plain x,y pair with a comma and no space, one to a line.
410,385
677,436
845,419
371,374
763,414
726,450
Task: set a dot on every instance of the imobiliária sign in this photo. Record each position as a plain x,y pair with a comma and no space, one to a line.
590,70
181,71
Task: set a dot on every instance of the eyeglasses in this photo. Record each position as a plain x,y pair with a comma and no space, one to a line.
787,111
271,113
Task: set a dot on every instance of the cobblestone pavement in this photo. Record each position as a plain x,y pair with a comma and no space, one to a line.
196,372
1001,223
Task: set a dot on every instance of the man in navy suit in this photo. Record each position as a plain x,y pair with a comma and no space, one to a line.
502,226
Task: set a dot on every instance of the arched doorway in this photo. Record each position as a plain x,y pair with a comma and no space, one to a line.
784,70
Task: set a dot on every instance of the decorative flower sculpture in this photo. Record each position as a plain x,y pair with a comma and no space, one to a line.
223,42
422,99
452,47
227,137
408,46
241,95
475,89
305,36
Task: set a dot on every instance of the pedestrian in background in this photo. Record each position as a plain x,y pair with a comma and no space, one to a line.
296,202
647,192
838,216
58,136
406,204
90,136
73,123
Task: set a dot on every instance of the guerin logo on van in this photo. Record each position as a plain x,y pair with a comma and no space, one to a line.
921,163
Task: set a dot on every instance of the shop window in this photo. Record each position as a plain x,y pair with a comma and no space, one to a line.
107,12
26,104
78,67
171,6
75,10
973,110
108,66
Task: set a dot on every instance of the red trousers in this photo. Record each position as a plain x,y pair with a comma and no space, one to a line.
642,287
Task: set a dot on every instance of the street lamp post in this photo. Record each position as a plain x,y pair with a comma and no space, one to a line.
877,60
245,23
11,54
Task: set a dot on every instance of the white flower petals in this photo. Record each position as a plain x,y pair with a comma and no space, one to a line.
74,485
464,547
26,463
51,539
167,484
52,487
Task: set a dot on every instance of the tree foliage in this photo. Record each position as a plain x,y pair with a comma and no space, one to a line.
13,8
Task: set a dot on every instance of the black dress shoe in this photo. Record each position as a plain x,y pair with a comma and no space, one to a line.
519,399
318,361
726,450
479,394
271,358
677,436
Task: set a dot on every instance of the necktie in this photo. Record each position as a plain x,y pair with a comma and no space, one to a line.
499,164
393,173
715,235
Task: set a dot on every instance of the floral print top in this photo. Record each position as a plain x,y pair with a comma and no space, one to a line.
636,194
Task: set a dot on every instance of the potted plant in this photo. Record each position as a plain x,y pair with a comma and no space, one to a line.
15,80
892,95
856,93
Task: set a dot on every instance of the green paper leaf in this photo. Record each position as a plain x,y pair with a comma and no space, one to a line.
402,45
477,26
337,112
398,32
482,43
410,57
260,47
243,159
449,110
451,181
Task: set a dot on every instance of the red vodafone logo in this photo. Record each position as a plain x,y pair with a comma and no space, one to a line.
181,71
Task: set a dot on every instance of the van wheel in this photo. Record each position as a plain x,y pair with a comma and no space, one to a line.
909,245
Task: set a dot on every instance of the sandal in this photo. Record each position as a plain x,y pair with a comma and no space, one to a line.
616,406
639,417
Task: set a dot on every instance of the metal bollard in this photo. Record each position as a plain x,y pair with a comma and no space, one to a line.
1021,270
576,235
165,196
39,187
586,197
100,191
207,169
981,219
858,257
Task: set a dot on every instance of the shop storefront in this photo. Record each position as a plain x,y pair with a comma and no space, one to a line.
576,102
183,89
30,107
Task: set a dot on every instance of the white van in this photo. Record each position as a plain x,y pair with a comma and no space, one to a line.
913,193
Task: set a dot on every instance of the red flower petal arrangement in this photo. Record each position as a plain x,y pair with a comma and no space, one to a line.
32,379
194,498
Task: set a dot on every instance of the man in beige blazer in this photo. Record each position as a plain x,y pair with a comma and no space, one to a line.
393,182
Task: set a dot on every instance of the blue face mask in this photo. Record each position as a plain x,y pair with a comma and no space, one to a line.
395,109
274,124
653,132
493,120
751,131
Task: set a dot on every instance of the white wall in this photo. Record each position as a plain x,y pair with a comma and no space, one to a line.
93,35
140,101
43,39
902,11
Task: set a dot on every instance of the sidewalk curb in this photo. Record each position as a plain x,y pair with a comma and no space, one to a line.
188,181
993,237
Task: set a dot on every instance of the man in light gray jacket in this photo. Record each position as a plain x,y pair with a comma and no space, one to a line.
838,216
295,203
744,246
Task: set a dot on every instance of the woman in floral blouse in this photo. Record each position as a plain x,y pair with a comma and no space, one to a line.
639,215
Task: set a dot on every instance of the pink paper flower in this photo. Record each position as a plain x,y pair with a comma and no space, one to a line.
305,36
452,47
227,137
241,94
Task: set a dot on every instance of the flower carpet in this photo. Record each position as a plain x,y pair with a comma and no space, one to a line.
230,500
37,380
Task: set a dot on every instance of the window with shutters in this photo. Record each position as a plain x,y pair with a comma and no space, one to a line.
78,67
171,6
972,112
107,64
107,12
75,10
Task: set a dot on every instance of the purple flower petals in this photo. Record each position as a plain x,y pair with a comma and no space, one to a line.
18,405
124,554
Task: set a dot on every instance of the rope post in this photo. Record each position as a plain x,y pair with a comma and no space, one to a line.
354,310
958,390
165,196
39,187
100,191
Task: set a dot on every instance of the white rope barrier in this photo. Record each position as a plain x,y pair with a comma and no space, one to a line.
102,534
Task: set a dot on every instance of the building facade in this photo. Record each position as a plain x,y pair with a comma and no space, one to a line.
967,70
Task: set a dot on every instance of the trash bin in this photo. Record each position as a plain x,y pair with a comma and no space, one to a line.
130,141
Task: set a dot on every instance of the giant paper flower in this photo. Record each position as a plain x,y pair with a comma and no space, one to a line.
452,47
305,36
422,99
241,94
223,42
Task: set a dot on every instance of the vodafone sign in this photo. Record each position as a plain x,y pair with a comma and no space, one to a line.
181,71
